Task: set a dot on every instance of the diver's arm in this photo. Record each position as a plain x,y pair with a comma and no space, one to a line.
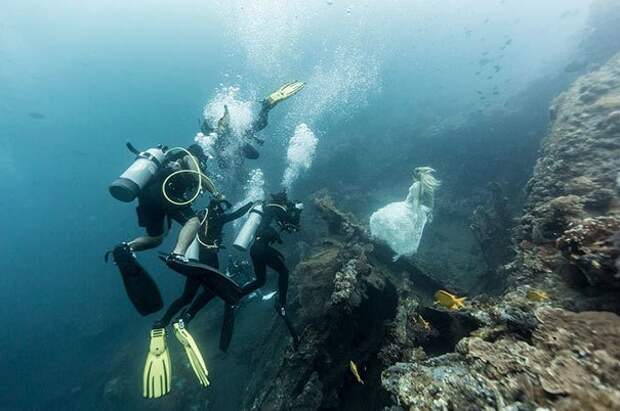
238,213
208,183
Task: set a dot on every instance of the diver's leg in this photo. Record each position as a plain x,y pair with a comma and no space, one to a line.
260,272
186,235
153,220
189,292
198,304
146,242
263,118
275,261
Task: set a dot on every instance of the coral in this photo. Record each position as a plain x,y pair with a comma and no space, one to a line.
574,189
341,300
570,363
590,247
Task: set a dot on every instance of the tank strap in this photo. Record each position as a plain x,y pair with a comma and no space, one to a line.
151,157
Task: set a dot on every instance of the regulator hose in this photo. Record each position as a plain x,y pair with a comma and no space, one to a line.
176,173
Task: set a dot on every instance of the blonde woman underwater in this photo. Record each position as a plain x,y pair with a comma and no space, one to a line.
401,224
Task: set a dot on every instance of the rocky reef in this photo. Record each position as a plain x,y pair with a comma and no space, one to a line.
572,211
549,341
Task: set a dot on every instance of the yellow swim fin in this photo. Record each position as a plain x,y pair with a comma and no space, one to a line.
157,372
284,92
193,353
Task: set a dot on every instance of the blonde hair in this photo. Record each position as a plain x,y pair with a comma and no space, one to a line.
428,182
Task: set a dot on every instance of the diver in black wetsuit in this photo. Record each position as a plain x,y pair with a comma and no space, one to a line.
247,150
209,237
156,209
286,214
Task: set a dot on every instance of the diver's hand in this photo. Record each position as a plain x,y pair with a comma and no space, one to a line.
280,309
429,217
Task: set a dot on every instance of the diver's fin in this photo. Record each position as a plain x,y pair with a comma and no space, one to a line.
249,151
157,372
228,326
289,325
285,91
193,353
140,287
222,286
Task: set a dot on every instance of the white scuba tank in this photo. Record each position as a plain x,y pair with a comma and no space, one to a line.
192,252
246,234
127,187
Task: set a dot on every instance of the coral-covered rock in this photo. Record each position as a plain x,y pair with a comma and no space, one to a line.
574,185
590,247
571,362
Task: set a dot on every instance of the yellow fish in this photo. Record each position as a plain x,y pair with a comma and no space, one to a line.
355,373
537,295
448,300
425,324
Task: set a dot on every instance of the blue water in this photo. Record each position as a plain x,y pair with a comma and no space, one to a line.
79,79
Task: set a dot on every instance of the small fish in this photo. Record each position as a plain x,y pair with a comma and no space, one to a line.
537,295
425,324
269,296
355,372
36,115
448,300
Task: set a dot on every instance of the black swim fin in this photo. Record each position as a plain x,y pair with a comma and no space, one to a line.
140,287
228,326
289,325
222,286
249,152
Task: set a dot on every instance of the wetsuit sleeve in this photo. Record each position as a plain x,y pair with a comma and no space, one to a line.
238,213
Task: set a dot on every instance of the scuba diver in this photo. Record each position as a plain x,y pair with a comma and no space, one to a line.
259,228
203,273
165,182
223,131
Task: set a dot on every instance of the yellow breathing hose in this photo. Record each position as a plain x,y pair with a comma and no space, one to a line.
200,177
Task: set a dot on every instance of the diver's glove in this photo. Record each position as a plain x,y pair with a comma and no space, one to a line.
280,309
258,141
429,216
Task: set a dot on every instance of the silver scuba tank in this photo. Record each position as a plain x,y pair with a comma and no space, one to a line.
248,231
193,251
127,187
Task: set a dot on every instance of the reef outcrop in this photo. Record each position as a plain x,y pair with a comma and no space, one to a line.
527,350
565,236
550,341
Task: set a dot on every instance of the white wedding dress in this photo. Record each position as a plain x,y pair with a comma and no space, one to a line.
401,224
